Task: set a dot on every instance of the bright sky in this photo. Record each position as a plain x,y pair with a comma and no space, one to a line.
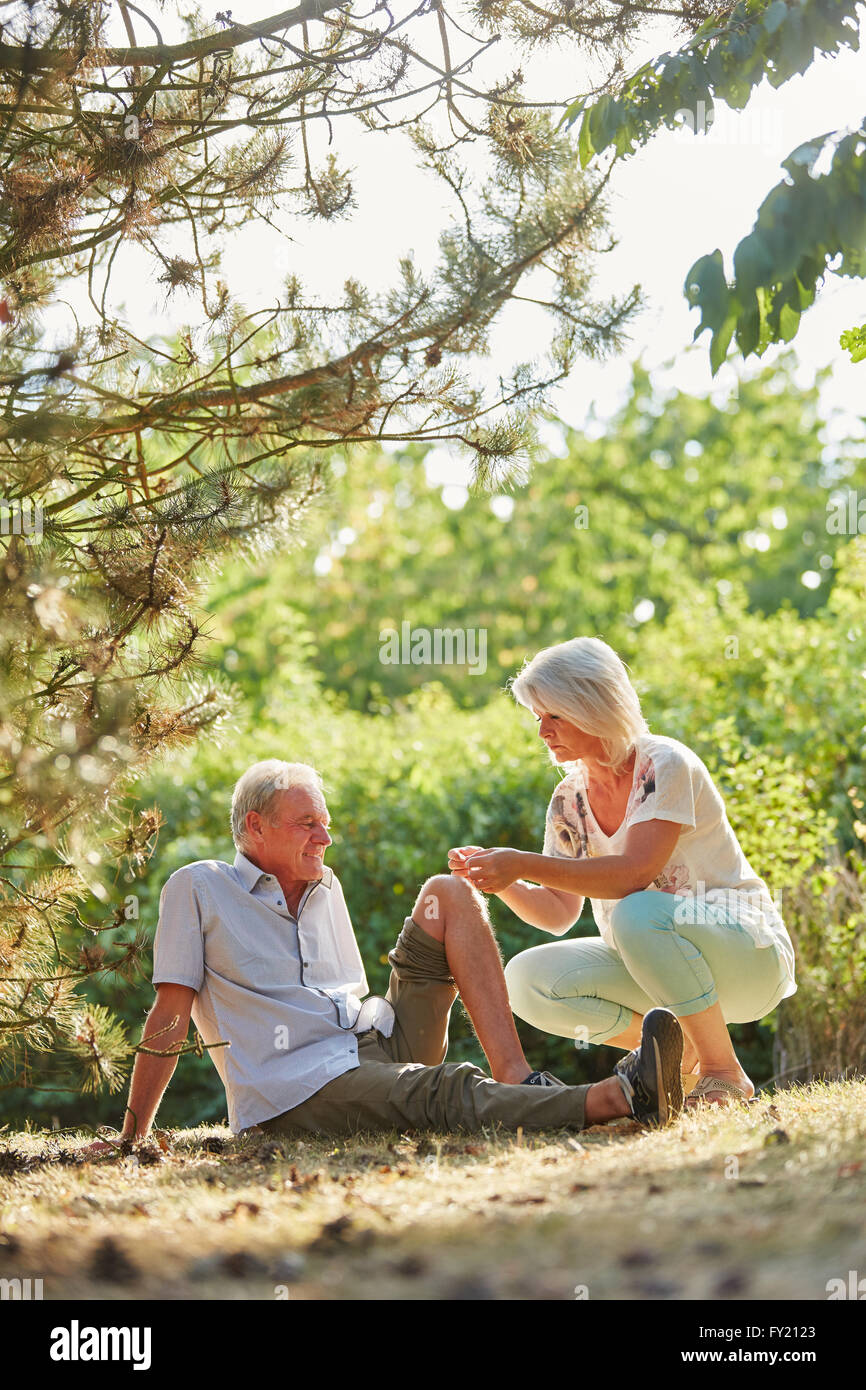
682,196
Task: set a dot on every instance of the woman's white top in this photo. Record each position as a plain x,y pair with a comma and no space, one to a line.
707,868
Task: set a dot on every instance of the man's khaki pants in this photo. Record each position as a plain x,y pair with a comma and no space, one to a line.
402,1082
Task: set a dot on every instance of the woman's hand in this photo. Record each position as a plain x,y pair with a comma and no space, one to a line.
492,870
458,856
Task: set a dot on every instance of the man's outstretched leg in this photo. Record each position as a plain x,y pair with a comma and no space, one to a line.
451,911
386,1092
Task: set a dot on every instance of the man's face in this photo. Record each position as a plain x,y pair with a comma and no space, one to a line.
290,840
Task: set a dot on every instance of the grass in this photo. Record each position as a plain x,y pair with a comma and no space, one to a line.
753,1202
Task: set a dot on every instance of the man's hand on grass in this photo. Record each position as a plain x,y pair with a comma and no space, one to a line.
98,1148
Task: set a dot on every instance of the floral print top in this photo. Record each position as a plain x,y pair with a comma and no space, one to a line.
707,867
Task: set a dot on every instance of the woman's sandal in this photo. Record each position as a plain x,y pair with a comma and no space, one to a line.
708,1086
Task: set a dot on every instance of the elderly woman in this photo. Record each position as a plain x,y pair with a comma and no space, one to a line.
637,825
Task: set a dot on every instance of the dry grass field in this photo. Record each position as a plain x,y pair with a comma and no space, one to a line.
766,1201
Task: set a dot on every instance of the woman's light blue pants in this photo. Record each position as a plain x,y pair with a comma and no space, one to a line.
589,991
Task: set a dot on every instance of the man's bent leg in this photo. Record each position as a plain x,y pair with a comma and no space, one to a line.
453,914
422,991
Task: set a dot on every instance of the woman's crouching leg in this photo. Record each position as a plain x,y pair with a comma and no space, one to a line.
577,989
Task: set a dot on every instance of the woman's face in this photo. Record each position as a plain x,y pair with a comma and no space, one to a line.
566,742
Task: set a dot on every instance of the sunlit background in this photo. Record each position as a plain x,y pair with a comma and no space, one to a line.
677,199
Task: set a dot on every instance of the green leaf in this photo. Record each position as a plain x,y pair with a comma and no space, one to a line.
585,148
806,295
624,144
789,322
721,342
797,46
715,65
774,16
749,327
706,288
853,263
753,264
572,112
853,340
848,217
601,120
764,299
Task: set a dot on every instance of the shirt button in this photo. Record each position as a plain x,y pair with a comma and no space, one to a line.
306,964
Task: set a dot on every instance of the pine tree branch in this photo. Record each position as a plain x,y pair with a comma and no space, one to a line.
16,58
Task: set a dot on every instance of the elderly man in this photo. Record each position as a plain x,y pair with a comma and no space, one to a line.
262,954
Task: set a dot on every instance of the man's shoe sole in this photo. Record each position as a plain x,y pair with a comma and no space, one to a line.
667,1041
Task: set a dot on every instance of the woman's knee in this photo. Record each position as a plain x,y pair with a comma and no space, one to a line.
522,983
633,914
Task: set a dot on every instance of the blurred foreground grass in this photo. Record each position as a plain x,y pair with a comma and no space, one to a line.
758,1202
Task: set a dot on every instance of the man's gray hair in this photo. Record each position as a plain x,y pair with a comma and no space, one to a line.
256,788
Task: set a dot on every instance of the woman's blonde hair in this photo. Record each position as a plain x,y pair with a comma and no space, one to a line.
585,682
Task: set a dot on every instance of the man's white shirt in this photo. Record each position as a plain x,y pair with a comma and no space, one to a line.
284,991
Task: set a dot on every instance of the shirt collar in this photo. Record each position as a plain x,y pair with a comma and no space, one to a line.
250,873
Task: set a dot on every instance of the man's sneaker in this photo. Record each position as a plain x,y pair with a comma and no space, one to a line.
541,1078
650,1076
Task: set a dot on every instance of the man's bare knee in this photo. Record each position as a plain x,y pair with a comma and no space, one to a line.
441,896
